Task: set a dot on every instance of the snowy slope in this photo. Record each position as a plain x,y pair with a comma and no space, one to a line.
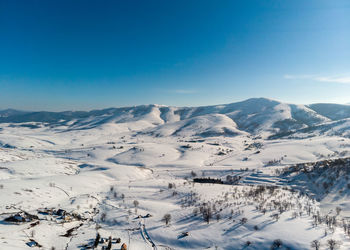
257,116
332,111
218,171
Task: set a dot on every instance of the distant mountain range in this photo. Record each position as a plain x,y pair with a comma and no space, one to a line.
256,116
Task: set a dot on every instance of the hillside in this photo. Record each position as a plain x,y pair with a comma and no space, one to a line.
257,116
257,174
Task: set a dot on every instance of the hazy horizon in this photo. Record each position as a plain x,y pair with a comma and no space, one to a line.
145,104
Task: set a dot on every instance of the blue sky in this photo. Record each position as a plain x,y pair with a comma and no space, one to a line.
59,55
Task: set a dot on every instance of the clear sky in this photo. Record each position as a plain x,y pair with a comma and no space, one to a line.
59,55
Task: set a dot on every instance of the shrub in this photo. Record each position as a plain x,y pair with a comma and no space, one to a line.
276,244
244,220
193,174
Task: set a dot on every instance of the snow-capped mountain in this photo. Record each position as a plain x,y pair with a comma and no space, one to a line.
256,116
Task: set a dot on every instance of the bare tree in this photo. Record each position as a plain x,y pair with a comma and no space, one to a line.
207,214
338,210
136,203
166,219
103,217
332,244
97,240
316,244
109,246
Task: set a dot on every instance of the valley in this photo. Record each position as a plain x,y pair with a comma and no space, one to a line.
127,175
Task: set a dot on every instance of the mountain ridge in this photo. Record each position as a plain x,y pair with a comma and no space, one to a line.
256,116
313,106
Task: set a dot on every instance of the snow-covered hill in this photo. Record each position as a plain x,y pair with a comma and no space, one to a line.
332,111
257,174
258,116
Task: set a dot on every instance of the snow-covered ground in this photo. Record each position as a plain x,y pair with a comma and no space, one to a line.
120,173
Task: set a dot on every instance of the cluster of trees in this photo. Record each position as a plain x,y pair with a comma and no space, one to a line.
208,180
331,244
273,199
337,166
